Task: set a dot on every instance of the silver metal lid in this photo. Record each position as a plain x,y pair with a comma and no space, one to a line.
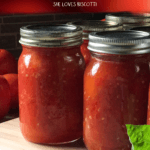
117,17
120,42
128,17
96,26
51,35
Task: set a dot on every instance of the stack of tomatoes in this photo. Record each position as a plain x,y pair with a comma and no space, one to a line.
8,82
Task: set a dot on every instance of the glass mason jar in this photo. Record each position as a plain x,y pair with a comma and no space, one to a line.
89,26
130,20
115,88
147,29
50,75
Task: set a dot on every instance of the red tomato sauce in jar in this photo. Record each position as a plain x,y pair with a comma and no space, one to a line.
85,52
115,88
51,84
89,26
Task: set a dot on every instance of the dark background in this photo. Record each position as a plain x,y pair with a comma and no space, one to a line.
10,26
17,13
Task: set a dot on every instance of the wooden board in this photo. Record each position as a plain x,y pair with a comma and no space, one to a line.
12,139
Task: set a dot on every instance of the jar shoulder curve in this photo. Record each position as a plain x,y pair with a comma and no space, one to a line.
127,69
40,57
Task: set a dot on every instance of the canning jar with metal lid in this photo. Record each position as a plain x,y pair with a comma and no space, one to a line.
89,26
147,29
115,88
130,20
50,75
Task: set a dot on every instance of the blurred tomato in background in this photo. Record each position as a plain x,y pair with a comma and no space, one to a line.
5,97
12,80
8,64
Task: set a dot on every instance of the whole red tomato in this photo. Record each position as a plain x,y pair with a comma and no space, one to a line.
4,97
12,79
8,63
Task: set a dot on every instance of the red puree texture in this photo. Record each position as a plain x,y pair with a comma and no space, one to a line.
85,52
115,94
51,94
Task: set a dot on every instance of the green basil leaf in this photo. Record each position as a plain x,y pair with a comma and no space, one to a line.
139,136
